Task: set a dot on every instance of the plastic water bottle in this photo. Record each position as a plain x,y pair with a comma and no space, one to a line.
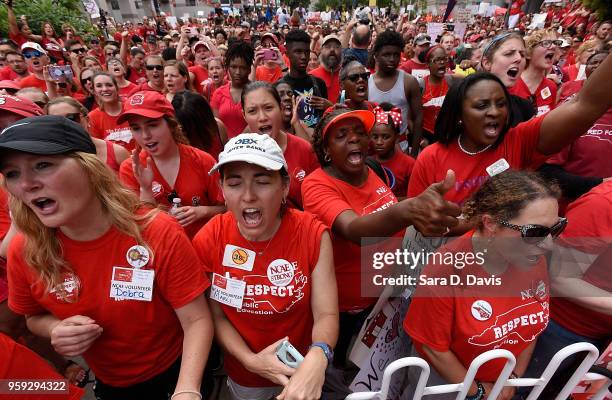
176,204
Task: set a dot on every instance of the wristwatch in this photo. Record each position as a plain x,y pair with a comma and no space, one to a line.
329,353
479,393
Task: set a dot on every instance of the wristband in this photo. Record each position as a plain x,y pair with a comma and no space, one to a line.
184,392
480,392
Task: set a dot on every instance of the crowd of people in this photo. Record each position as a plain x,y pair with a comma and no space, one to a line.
180,200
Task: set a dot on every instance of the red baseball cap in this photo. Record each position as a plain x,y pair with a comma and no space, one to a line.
20,106
8,84
149,104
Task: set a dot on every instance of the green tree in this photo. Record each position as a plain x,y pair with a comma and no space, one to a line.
602,7
57,12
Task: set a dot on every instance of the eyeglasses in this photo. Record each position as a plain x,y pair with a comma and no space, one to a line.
152,67
534,234
440,60
80,50
356,77
74,117
548,43
30,54
111,53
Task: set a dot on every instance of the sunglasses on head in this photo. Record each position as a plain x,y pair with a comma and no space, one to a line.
355,77
30,54
74,117
80,50
152,67
534,234
548,43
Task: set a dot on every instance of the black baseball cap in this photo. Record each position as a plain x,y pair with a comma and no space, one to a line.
47,135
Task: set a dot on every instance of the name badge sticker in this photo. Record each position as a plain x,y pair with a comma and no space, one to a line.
132,284
546,93
498,167
227,291
238,257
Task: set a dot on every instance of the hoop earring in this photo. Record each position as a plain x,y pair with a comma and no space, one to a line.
327,158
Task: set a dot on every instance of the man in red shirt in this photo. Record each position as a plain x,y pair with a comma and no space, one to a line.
36,58
329,70
413,66
16,68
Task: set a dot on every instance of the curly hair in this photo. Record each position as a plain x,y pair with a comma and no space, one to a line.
506,194
388,38
240,49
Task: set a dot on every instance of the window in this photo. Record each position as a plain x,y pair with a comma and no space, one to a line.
137,4
115,4
190,3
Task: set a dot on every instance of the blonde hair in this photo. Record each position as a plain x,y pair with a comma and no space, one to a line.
67,100
586,46
43,251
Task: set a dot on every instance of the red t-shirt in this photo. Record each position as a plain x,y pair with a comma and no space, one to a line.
7,74
401,166
470,320
545,94
589,155
301,161
272,308
104,126
52,48
201,75
432,99
327,197
127,91
415,69
5,224
229,113
18,38
193,184
141,339
263,73
143,87
589,217
518,148
33,81
137,77
332,81
17,362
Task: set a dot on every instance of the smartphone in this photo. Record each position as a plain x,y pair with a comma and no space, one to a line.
289,354
269,55
57,71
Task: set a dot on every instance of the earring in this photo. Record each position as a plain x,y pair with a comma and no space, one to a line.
284,202
327,158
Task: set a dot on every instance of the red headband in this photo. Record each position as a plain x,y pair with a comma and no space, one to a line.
382,116
431,49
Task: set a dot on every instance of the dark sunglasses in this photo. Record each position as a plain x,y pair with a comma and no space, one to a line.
534,234
94,41
30,54
74,117
152,67
85,80
548,43
355,77
80,50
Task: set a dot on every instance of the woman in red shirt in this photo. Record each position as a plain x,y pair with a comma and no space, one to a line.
50,42
352,200
116,68
97,272
533,84
475,141
265,288
433,88
164,168
354,81
216,77
262,112
226,100
454,316
576,71
104,120
176,78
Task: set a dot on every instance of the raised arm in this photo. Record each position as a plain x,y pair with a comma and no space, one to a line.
124,50
567,122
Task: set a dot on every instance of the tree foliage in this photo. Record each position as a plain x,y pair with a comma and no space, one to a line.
57,12
602,7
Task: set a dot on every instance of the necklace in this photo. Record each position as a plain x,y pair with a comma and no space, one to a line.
259,253
471,153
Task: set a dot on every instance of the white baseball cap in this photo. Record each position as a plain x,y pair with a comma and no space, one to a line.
33,46
253,148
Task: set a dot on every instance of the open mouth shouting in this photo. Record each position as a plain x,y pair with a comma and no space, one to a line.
355,158
549,56
361,90
151,147
252,217
44,205
513,73
491,129
267,129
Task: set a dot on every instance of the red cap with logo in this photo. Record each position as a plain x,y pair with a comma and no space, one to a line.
149,104
20,106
